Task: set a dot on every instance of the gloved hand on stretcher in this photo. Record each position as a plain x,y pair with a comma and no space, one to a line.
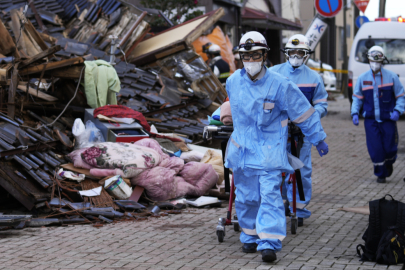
322,148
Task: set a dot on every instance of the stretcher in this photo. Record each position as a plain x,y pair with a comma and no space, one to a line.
223,133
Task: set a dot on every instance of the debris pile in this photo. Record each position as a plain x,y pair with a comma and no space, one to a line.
47,51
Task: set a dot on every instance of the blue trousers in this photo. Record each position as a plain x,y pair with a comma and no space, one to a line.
382,144
260,209
306,172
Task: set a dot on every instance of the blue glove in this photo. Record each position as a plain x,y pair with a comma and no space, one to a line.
355,120
216,117
322,148
394,116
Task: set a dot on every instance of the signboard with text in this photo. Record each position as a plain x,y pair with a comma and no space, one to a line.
315,32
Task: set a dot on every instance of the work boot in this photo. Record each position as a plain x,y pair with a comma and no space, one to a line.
249,247
300,222
390,169
268,255
381,180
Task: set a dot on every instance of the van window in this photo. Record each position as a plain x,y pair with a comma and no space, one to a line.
394,49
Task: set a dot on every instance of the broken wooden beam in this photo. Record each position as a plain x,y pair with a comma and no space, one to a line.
72,72
40,56
51,66
11,92
7,45
36,93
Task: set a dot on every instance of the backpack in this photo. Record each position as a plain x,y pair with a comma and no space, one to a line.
391,249
384,214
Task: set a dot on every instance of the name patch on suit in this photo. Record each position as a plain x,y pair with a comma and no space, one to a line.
367,83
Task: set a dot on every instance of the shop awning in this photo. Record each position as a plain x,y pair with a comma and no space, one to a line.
260,19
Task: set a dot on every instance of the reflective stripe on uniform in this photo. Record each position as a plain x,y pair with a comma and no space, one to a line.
304,116
284,123
379,163
249,231
367,88
385,85
235,143
224,75
263,235
319,101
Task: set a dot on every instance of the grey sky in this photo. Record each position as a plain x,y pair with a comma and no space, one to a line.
393,8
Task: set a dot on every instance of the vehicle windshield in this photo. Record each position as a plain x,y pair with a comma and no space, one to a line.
394,50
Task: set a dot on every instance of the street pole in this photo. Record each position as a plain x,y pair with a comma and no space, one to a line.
344,75
381,12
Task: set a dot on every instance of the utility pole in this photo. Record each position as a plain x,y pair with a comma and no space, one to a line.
345,65
381,12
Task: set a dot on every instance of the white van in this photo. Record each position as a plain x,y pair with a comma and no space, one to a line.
388,34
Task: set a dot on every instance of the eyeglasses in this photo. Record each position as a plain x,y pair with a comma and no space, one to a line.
294,53
254,56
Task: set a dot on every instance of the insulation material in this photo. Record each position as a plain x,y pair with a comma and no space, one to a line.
217,37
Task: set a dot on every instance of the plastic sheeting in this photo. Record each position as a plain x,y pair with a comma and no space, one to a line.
217,37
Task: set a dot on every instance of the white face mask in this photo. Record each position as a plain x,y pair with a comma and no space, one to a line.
295,62
375,66
252,67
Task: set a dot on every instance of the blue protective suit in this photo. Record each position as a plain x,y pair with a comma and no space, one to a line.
311,85
257,151
376,97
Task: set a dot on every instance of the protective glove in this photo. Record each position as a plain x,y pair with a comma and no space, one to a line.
322,148
355,120
394,116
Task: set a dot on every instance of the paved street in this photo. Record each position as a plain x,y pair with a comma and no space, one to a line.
188,241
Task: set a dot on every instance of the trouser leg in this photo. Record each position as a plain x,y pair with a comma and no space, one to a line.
390,141
375,147
270,221
306,172
247,204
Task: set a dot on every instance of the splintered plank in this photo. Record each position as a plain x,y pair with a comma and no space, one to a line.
36,93
7,45
24,190
104,200
40,56
51,66
11,92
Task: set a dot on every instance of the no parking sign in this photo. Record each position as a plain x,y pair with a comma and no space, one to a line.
328,8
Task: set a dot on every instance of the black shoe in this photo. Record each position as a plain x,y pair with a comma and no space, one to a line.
268,255
390,169
300,222
249,247
381,180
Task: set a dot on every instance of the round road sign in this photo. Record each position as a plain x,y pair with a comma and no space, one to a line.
328,8
360,20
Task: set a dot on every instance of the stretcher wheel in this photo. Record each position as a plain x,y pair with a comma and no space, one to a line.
236,227
221,236
294,225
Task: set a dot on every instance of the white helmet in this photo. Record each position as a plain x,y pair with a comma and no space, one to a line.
214,48
252,41
376,53
298,41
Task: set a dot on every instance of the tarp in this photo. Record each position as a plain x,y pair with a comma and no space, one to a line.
217,37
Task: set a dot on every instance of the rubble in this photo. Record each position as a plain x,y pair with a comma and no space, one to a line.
43,51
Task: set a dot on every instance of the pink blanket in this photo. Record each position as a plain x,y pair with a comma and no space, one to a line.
168,178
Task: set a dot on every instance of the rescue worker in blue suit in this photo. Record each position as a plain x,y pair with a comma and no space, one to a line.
379,97
261,103
297,51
